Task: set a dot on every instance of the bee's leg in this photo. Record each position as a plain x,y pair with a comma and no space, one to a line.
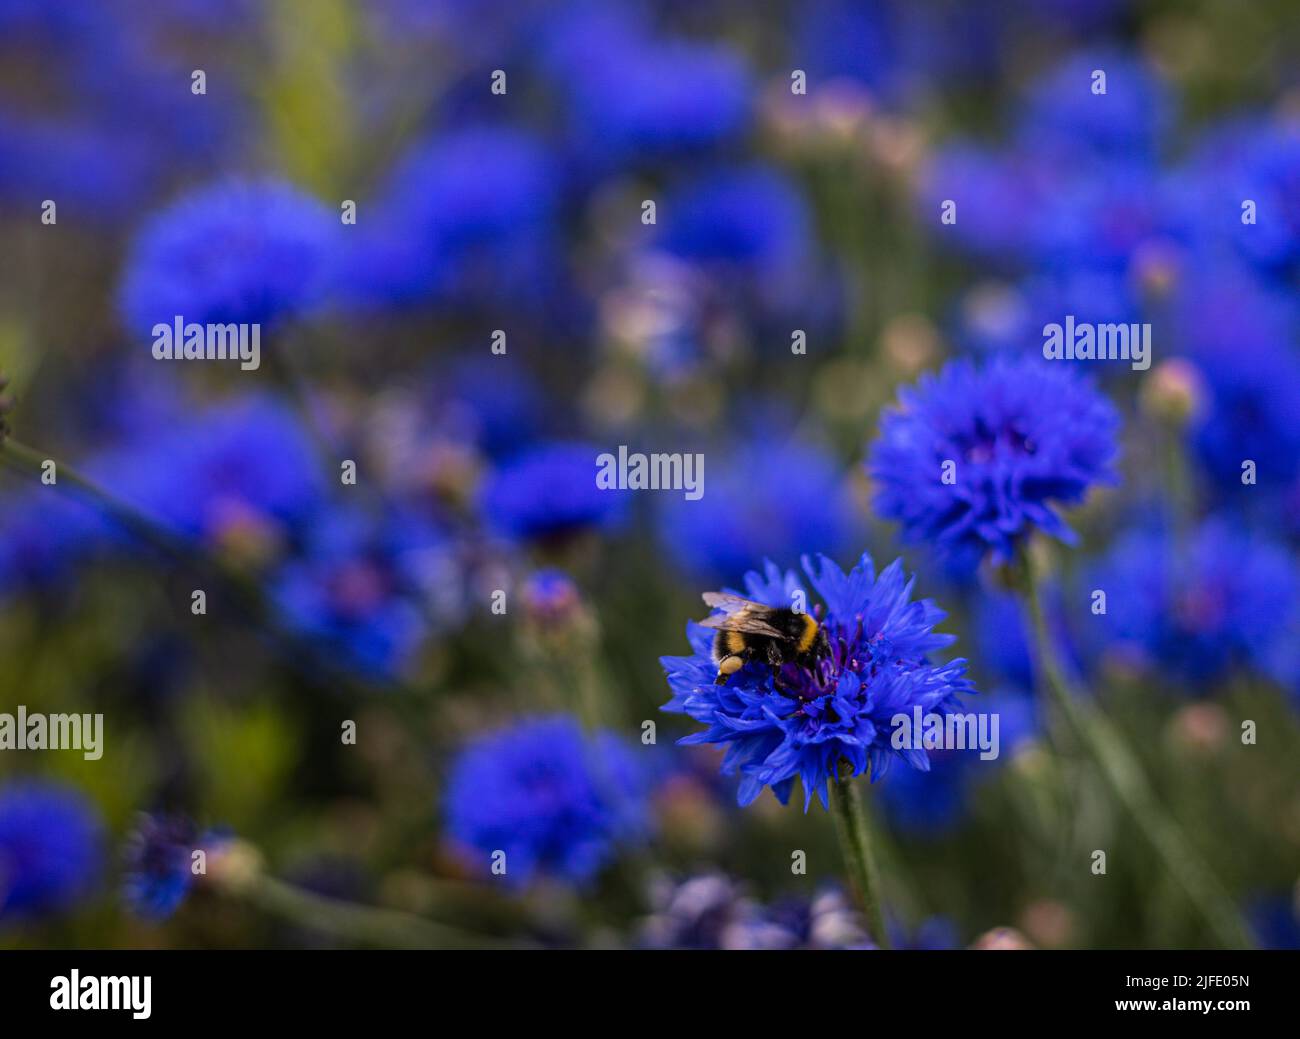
775,655
727,667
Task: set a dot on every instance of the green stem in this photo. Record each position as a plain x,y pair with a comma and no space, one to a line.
1124,774
855,841
365,925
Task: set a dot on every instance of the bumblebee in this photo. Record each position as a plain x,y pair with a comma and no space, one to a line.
751,631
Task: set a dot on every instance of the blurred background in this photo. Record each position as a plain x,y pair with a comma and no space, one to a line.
435,213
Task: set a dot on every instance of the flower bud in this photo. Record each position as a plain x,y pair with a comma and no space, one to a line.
1174,392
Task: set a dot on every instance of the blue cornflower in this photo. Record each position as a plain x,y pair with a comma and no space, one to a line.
159,863
45,535
1221,305
371,590
997,317
558,802
1096,219
1270,176
1061,114
502,407
51,854
748,219
839,39
1253,399
89,170
634,98
1248,159
1237,329
470,211
801,723
762,501
253,252
550,491
236,475
991,190
108,127
1004,322
1022,436
1201,608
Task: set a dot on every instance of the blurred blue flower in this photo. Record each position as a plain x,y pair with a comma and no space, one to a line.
840,39
96,121
1247,159
158,868
934,932
828,920
255,252
1201,607
550,491
239,477
802,723
500,405
1220,305
51,853
469,211
1237,329
1254,397
1276,922
370,591
634,98
749,220
708,911
89,171
929,805
550,597
763,500
993,192
995,317
1098,218
1003,637
714,911
1062,116
1022,435
46,535
205,15
1020,209
238,474
559,803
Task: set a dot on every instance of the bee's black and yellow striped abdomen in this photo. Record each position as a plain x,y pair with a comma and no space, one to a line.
810,627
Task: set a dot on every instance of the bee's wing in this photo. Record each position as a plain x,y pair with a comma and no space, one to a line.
741,615
742,622
731,603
